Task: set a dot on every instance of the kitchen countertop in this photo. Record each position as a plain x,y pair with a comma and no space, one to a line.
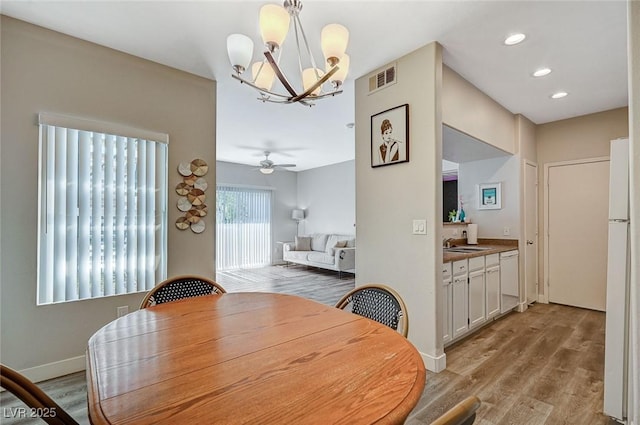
494,246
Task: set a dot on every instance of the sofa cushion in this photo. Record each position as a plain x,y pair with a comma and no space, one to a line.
320,257
297,255
318,241
303,243
333,242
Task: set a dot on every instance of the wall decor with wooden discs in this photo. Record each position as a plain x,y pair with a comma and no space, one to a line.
191,196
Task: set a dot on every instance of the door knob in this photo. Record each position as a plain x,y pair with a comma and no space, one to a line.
529,242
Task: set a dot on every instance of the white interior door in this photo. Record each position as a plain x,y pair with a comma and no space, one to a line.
578,196
531,231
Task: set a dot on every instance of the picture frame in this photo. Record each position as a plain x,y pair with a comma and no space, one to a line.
390,136
490,196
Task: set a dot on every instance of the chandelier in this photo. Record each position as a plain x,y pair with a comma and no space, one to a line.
274,27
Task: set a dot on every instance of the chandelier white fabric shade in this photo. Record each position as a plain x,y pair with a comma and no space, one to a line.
263,75
240,51
275,22
309,78
334,40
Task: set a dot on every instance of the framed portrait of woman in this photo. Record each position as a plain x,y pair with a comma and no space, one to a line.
390,136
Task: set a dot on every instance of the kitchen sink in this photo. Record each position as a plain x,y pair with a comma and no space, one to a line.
466,249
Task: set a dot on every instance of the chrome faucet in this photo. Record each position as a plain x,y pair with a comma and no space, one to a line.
446,243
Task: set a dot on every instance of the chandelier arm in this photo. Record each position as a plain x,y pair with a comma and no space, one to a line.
333,93
249,83
318,83
296,21
286,99
306,44
285,102
279,74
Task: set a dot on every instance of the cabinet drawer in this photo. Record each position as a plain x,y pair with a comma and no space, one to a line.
476,263
492,260
460,267
446,270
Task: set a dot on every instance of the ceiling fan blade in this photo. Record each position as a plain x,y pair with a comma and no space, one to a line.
284,165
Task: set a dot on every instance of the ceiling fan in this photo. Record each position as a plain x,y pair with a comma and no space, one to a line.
267,166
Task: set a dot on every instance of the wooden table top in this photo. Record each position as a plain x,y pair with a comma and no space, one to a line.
250,358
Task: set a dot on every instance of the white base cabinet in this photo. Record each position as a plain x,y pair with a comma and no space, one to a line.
476,290
460,304
477,314
447,303
492,280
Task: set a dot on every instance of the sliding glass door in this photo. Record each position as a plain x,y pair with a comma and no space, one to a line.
243,227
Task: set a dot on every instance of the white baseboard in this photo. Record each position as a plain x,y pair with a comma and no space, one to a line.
435,364
522,307
55,369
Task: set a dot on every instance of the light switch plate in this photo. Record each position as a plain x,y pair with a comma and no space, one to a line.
419,227
506,231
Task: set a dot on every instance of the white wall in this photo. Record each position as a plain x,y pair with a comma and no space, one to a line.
328,196
43,70
282,182
389,198
470,111
505,170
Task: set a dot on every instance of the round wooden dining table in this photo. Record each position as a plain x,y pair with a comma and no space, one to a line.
250,358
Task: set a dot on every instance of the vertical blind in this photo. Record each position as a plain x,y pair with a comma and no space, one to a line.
102,226
243,227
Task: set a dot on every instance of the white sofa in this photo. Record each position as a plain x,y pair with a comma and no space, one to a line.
323,250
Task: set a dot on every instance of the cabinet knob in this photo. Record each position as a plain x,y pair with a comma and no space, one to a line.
529,242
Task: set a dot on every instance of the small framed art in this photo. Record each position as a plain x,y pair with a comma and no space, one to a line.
390,136
490,196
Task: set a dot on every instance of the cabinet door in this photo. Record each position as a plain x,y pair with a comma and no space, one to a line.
492,281
447,310
460,306
477,299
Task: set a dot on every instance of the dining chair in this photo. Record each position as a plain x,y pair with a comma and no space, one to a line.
380,303
463,413
43,406
180,287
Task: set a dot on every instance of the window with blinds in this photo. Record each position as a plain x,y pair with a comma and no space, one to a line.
103,209
243,227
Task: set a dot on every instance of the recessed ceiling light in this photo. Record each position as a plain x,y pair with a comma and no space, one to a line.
542,72
559,95
514,39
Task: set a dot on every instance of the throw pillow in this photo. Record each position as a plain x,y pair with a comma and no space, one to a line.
303,243
341,244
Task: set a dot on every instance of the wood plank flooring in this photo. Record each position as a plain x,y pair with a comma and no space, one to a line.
544,366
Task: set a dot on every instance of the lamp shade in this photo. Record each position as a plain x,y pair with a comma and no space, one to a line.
240,51
297,215
263,75
309,78
334,39
274,24
343,69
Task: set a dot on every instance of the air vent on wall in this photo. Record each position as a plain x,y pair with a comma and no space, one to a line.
382,78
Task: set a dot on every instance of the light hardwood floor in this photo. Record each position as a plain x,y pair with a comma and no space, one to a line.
544,366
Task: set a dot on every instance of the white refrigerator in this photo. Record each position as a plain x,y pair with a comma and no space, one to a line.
616,359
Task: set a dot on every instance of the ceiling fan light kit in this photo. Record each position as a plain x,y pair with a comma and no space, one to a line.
274,27
267,166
